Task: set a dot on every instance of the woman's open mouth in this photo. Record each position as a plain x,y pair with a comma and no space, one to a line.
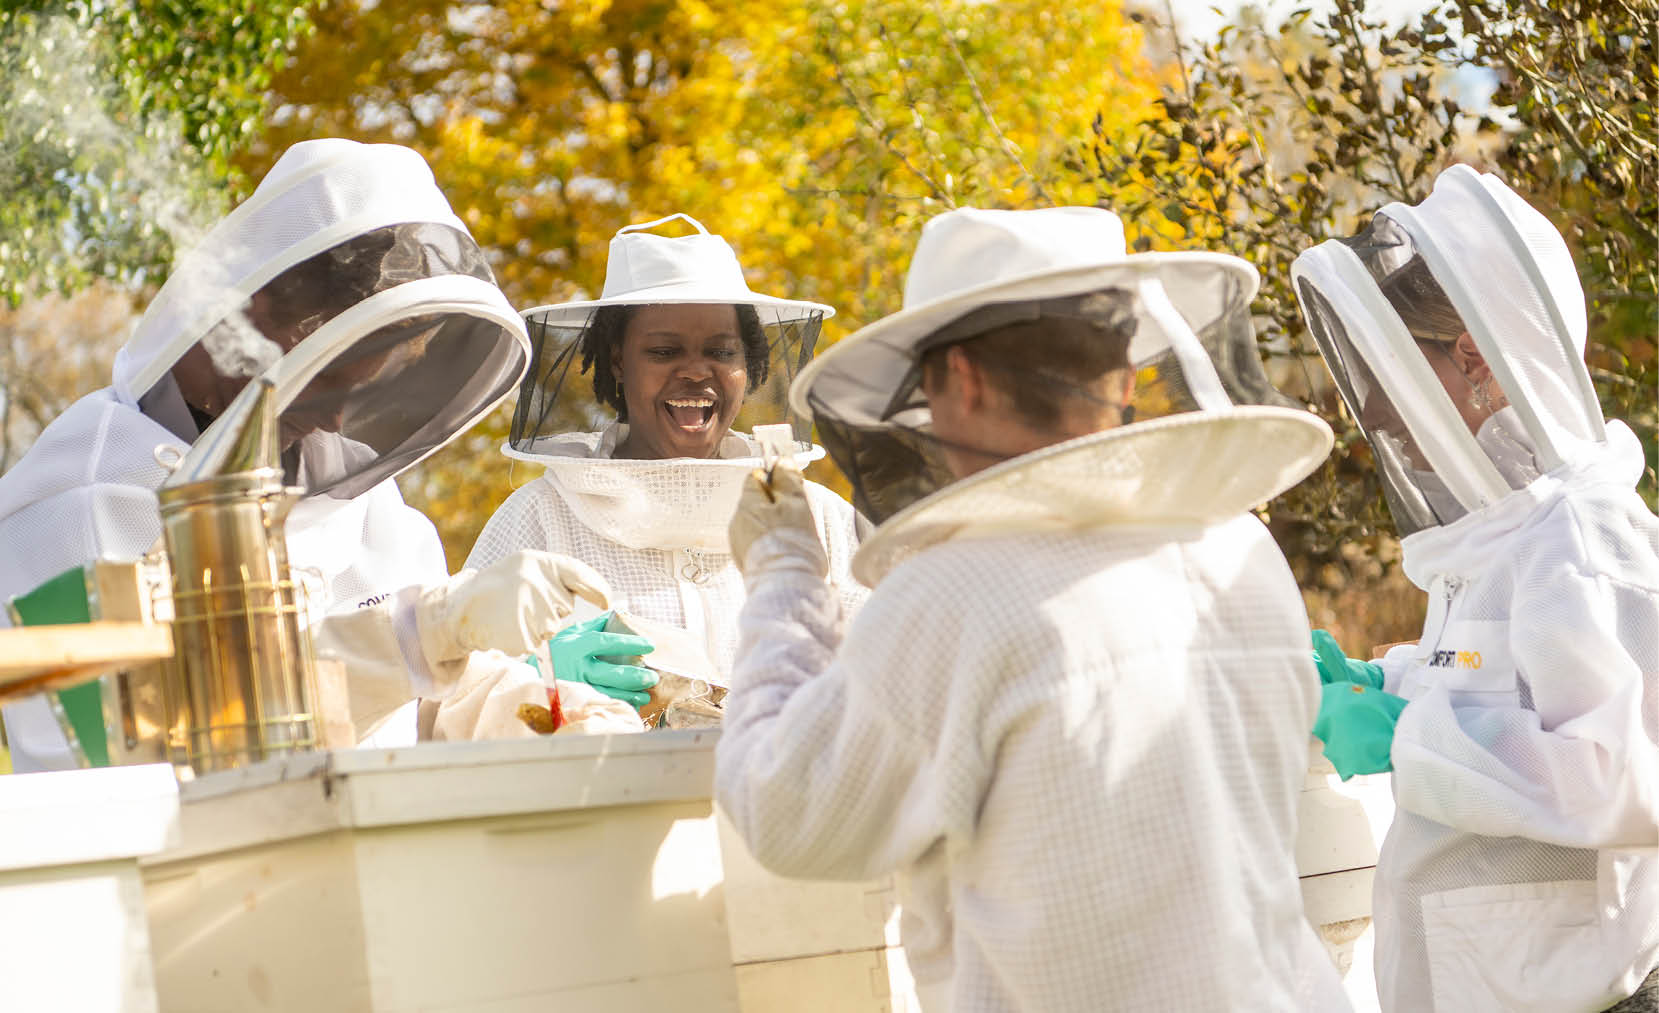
690,414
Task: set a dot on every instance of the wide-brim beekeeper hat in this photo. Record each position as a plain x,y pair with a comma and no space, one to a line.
1191,347
644,268
971,258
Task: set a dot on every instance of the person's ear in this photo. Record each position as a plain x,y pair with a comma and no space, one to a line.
968,378
1126,390
1469,360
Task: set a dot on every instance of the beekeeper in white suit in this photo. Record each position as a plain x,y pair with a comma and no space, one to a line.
1074,711
347,269
1522,868
676,357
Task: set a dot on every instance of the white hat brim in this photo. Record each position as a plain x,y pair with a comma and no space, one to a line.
876,357
1166,471
699,293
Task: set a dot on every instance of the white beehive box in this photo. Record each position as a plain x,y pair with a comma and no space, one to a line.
1340,828
812,947
73,933
577,873
478,876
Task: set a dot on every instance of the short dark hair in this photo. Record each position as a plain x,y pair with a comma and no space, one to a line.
1060,348
602,339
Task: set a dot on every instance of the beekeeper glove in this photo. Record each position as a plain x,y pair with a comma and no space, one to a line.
1356,724
511,606
584,652
773,528
1334,666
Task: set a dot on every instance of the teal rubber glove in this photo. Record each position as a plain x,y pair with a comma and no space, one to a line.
1356,723
1334,666
581,653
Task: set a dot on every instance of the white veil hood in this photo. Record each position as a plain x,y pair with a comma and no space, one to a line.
1385,305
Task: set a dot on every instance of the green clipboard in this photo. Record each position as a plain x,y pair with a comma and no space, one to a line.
80,709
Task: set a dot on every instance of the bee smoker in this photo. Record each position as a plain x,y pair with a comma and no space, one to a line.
242,683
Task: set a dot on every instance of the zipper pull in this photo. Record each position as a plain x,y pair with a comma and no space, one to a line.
1437,623
696,568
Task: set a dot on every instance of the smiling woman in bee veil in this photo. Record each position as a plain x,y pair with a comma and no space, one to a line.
636,406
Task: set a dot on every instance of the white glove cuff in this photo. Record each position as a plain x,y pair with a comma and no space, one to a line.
1395,665
431,621
786,550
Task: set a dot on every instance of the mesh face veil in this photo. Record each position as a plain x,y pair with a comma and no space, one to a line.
574,382
1041,378
638,404
1117,354
1462,396
348,281
392,395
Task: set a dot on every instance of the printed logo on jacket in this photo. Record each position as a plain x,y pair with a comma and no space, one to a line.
1455,659
1470,659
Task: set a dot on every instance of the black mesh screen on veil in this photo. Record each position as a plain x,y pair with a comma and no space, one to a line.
881,434
394,394
549,401
889,451
888,467
563,392
1366,401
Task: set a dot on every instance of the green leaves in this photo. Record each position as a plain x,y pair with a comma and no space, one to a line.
1285,136
121,118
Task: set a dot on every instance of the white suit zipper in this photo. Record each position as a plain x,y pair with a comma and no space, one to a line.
690,569
1442,610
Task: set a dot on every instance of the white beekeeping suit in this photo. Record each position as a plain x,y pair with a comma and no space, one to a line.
1522,868
348,277
1073,713
655,529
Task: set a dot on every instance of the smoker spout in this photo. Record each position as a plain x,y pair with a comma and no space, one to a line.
245,437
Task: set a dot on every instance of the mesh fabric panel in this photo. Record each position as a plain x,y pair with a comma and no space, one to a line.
700,590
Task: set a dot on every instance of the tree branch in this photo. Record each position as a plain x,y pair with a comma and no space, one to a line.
1175,45
869,118
1009,148
1374,96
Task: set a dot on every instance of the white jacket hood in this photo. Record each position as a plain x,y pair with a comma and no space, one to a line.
348,279
1472,281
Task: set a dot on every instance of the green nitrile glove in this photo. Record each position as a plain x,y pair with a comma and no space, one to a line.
1356,723
580,652
1334,666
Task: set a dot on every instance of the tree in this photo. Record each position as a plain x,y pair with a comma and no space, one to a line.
1282,138
814,136
53,349
121,116
1580,78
